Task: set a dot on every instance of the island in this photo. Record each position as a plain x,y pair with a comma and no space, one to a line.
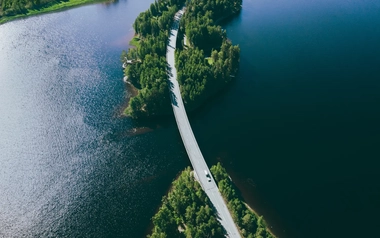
206,60
186,211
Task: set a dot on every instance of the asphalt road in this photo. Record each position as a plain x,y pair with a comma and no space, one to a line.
191,145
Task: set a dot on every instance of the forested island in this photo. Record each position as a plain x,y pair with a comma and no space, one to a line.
187,212
206,60
146,64
12,9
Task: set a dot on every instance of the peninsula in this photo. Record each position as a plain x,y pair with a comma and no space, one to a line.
206,60
13,9
187,212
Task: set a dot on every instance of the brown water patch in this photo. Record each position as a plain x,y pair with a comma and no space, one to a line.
130,92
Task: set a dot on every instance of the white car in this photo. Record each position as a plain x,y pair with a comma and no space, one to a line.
208,176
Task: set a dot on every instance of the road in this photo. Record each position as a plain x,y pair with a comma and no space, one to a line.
191,145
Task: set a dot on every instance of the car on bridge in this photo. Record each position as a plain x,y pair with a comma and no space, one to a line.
208,176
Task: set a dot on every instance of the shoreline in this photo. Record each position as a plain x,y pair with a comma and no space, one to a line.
57,7
170,189
265,220
221,19
257,204
133,91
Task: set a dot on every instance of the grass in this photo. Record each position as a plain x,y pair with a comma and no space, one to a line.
135,41
127,111
58,6
210,60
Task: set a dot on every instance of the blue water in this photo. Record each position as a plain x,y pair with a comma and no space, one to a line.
70,165
298,131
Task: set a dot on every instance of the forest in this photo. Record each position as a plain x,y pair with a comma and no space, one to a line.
208,61
148,72
206,64
187,211
11,9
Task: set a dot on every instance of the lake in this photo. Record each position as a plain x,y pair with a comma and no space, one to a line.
298,130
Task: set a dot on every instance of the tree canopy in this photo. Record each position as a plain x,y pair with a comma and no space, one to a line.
186,212
13,7
199,78
10,9
206,66
148,72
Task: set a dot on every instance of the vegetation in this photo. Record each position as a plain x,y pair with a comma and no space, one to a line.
211,61
251,225
135,41
11,9
186,212
148,71
199,77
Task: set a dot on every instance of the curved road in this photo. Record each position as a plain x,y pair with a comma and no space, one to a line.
189,140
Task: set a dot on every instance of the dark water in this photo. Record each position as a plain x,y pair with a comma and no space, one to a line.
299,130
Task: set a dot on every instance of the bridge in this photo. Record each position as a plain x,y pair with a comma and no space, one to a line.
196,158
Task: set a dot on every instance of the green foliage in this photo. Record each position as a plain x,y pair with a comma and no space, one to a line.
188,207
135,41
158,18
201,76
251,225
11,9
148,72
218,9
193,75
153,45
153,98
199,79
200,21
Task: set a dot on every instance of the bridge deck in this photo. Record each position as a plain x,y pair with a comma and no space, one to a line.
191,145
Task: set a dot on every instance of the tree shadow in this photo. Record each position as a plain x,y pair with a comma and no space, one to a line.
173,97
169,70
218,217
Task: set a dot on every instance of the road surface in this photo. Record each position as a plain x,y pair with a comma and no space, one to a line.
191,145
